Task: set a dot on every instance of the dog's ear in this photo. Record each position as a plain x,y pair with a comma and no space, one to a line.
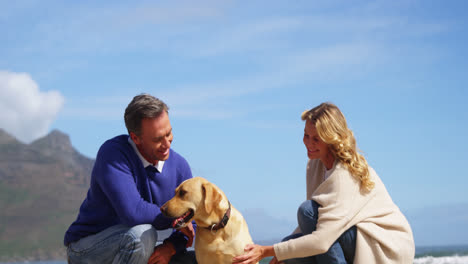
211,195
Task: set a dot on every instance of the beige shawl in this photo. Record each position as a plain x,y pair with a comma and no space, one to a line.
383,233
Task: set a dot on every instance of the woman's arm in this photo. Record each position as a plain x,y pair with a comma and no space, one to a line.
254,253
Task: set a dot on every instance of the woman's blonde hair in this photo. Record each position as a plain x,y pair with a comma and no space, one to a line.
333,130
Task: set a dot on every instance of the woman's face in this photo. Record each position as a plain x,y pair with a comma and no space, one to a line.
316,148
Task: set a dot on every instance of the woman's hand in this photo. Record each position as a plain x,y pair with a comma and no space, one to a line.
253,254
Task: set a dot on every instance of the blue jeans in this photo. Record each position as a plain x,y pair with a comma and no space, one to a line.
120,244
341,252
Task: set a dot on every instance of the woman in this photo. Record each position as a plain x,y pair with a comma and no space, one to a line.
349,216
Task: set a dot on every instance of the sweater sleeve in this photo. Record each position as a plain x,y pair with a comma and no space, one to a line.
114,176
329,228
335,197
304,246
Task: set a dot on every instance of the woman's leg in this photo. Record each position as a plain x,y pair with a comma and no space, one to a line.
307,260
117,244
348,243
342,251
307,217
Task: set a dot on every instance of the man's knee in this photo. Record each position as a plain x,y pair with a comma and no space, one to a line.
140,240
146,232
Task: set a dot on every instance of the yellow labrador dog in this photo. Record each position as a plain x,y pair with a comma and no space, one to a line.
222,232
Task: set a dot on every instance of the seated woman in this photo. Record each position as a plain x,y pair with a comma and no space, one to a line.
349,216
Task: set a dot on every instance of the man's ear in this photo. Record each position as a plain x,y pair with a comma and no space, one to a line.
211,195
135,138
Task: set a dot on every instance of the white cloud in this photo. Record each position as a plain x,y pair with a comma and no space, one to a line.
26,112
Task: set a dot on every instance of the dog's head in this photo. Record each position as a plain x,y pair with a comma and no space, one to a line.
196,199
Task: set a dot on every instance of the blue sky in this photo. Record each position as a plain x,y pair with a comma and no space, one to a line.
237,76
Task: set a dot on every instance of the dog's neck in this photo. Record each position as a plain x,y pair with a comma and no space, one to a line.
223,222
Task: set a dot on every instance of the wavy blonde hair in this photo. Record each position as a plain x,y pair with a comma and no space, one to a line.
333,130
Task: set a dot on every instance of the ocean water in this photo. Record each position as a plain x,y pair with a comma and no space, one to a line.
424,255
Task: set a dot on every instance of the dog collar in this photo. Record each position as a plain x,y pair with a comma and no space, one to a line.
223,221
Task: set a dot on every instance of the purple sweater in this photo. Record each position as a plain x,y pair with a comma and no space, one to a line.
121,192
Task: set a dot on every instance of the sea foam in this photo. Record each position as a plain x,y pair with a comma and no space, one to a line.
442,260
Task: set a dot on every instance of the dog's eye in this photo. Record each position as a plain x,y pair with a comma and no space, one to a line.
182,193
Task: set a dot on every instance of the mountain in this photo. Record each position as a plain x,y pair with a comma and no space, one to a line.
42,185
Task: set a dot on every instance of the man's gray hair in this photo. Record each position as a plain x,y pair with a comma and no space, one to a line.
142,106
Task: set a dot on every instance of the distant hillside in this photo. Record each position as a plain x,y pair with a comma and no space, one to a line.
42,185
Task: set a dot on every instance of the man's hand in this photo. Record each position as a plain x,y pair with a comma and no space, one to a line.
189,232
162,254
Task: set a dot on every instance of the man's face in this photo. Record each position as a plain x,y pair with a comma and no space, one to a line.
155,139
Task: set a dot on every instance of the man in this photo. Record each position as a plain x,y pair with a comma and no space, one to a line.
132,177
